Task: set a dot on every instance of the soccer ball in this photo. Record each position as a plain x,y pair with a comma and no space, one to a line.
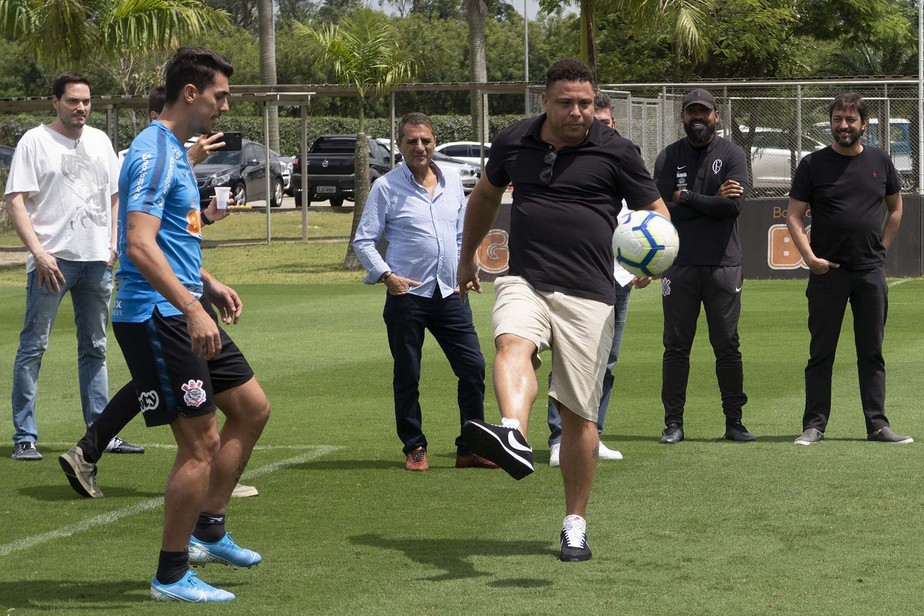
645,243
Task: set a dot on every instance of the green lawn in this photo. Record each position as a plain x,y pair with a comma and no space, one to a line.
703,527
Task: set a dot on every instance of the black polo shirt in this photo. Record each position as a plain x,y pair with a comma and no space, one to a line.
846,194
561,232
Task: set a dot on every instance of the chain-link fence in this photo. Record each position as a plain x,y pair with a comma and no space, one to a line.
777,124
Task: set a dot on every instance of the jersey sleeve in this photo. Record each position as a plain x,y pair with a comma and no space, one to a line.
150,175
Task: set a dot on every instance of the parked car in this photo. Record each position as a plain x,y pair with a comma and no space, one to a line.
468,172
286,163
244,171
469,151
6,155
771,159
331,170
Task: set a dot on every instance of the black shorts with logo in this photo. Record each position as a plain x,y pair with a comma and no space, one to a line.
168,378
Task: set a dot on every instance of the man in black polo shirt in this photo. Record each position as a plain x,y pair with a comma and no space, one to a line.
569,175
703,178
846,184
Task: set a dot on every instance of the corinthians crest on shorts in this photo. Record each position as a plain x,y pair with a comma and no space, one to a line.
194,394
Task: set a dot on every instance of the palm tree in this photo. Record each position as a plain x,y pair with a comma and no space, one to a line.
71,32
267,29
689,21
363,52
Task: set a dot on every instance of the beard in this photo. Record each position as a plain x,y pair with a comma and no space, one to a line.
849,139
703,135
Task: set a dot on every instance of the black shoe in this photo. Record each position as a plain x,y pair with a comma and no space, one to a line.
738,432
117,445
506,447
25,451
673,433
574,546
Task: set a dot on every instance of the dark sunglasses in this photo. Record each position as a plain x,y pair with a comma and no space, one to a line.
545,176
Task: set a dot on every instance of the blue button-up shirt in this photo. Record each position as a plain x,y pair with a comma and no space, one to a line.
424,233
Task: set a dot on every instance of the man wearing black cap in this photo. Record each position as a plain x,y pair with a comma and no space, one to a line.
703,179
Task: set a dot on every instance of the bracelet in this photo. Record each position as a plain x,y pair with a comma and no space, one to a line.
189,303
205,219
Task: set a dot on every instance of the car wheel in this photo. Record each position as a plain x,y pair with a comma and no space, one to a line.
298,198
336,201
240,194
276,200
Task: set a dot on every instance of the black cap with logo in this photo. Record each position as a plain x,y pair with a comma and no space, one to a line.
699,97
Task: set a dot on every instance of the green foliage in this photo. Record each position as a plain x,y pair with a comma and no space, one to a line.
72,32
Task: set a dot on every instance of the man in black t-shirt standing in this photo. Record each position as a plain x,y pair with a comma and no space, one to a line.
569,175
703,177
845,185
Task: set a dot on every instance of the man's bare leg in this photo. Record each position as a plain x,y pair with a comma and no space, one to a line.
515,378
579,443
197,445
247,410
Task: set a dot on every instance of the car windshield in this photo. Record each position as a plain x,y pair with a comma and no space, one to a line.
224,157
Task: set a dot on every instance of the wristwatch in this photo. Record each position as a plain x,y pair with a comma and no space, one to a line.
385,276
684,195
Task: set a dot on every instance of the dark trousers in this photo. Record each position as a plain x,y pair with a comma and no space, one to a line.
828,294
683,290
450,321
121,409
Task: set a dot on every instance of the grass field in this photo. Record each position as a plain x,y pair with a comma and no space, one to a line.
703,527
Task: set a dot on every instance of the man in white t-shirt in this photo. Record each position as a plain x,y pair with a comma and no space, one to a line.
62,198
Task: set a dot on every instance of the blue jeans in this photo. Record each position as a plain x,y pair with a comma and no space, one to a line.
621,310
90,286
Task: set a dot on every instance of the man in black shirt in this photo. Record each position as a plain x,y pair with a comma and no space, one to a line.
846,184
703,177
569,175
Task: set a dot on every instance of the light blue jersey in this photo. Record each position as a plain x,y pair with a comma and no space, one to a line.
157,179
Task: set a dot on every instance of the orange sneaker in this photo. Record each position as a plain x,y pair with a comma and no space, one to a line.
474,461
417,460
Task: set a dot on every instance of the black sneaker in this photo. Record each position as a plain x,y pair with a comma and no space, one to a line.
673,433
574,540
117,445
888,435
25,451
506,447
738,432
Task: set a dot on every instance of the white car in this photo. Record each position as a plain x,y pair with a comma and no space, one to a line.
468,172
469,151
771,158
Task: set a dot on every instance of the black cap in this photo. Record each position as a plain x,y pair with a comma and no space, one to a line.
699,97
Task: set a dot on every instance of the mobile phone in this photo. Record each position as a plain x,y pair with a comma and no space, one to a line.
232,141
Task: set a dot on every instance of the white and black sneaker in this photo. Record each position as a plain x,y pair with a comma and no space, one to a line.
574,540
504,446
25,451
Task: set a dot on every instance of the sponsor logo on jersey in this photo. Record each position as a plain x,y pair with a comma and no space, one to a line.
148,400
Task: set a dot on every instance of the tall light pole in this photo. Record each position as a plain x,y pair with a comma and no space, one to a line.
920,96
526,57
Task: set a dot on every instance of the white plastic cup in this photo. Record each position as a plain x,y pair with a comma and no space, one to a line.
222,196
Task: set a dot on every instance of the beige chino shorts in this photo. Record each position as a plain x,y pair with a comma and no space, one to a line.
579,331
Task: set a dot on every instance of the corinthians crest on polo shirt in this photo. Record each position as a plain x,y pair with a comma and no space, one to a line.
194,394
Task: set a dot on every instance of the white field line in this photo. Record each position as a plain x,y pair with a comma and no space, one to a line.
901,281
57,444
113,516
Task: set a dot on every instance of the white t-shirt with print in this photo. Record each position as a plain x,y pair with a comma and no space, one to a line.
68,186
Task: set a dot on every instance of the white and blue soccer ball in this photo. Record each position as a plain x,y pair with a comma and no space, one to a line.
645,243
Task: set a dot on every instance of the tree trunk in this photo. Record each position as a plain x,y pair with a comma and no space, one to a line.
5,223
478,66
360,194
588,53
268,65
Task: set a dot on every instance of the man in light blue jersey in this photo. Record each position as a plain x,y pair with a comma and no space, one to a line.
183,365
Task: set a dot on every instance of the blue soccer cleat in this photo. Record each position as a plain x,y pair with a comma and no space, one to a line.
188,588
225,552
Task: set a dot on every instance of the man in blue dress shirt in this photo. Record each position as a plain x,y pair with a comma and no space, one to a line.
418,208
